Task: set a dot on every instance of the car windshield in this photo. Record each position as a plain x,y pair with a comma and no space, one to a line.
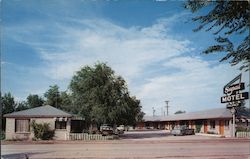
180,127
106,125
177,127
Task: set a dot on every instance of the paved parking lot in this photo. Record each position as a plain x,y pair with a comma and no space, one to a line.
154,144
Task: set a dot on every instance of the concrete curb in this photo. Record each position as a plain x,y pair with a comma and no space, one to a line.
209,135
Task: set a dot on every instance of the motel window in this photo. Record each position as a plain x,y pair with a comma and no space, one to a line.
60,124
212,124
227,124
22,125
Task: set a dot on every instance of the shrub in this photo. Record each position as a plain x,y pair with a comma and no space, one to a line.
2,136
42,131
242,128
198,128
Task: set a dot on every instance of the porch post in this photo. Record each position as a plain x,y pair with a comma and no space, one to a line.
68,128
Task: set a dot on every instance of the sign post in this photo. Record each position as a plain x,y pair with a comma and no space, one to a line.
233,113
234,97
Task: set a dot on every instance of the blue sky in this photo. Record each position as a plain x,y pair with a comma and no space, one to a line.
149,43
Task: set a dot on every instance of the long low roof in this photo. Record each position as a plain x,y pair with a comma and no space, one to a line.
206,114
42,111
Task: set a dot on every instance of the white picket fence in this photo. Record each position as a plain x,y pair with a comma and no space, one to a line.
86,136
243,134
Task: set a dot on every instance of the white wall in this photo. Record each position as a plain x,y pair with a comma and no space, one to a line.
11,134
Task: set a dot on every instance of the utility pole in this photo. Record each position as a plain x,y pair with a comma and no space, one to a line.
167,106
153,111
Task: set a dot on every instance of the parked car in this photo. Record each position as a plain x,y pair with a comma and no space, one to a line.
120,129
106,129
182,130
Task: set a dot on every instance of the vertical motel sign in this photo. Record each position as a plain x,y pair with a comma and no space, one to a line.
233,95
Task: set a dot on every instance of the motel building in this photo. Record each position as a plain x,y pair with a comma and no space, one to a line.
214,121
66,125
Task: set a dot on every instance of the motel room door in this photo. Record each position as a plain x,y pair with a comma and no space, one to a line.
221,129
205,126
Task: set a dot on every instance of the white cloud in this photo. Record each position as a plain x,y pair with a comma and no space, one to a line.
4,63
127,50
197,85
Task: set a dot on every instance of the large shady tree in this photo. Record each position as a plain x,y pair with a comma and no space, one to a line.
227,20
53,96
33,100
8,103
100,97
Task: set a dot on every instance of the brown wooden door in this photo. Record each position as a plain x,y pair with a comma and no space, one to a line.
221,129
205,126
192,124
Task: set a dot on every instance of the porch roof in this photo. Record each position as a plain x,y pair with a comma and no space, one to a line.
42,111
206,114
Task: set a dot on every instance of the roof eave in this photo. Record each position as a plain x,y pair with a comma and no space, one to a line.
220,117
36,116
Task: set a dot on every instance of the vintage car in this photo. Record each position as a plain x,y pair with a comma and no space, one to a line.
106,129
182,130
120,129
